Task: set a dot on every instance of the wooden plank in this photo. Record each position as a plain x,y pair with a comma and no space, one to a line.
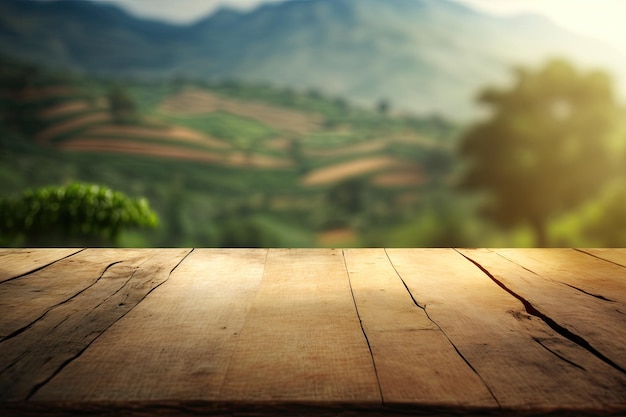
28,298
571,267
596,321
617,256
18,262
31,358
518,356
414,359
302,340
177,343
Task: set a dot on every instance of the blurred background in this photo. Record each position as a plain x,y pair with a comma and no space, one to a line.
312,123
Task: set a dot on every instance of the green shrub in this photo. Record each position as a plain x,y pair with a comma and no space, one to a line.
75,214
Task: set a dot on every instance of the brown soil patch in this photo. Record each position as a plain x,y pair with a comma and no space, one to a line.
259,161
64,109
369,146
164,151
336,237
345,170
193,102
278,144
400,178
176,133
69,125
413,138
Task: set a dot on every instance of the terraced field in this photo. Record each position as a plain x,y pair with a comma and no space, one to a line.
228,157
199,125
72,124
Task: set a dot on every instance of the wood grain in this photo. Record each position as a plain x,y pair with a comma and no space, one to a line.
568,307
617,256
515,353
32,357
177,343
571,267
252,332
414,359
18,262
302,340
29,297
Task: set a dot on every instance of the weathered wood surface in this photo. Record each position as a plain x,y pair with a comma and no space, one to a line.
17,262
502,332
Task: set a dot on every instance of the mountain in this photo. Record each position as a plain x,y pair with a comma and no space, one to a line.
420,55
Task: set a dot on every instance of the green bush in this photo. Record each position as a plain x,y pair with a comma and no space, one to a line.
83,214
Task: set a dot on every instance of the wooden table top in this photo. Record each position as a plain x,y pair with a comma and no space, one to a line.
313,332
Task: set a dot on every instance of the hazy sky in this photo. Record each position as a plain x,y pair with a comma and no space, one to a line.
602,19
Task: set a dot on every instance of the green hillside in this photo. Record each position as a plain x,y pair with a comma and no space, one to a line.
223,164
424,56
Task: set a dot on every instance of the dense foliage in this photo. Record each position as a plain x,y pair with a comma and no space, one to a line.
77,213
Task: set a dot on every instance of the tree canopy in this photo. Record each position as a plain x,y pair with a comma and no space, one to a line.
544,148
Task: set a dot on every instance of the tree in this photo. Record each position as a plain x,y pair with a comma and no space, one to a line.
77,215
604,221
543,149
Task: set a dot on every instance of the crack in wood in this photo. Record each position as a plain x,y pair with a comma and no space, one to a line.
39,268
558,355
516,263
135,269
75,356
601,297
599,257
369,346
530,309
456,349
21,330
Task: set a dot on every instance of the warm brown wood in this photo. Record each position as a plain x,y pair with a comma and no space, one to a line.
515,353
32,357
258,332
414,359
18,262
302,340
567,307
177,343
617,256
580,270
28,298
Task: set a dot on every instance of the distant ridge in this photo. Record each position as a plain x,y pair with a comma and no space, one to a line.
423,56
